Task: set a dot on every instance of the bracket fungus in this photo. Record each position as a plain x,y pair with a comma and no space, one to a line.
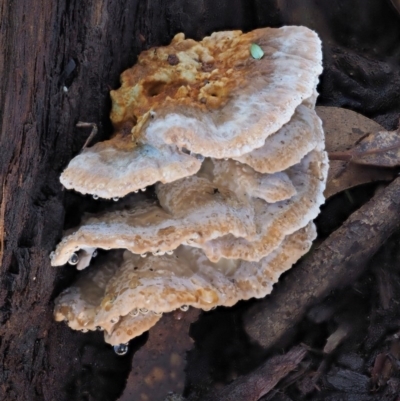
236,151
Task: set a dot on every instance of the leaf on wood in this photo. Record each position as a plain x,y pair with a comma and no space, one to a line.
384,365
343,129
253,386
381,149
158,367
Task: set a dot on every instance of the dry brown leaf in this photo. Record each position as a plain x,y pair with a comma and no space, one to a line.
342,176
381,149
343,128
158,367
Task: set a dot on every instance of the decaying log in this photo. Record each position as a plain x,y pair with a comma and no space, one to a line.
336,262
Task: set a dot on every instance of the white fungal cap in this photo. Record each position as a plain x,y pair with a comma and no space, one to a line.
78,304
191,211
166,283
289,145
114,168
237,154
129,327
246,182
232,107
277,220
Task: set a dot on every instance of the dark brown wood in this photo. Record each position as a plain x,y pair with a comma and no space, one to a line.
255,385
338,261
37,139
58,61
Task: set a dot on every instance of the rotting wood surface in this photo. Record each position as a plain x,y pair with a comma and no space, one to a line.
58,62
37,139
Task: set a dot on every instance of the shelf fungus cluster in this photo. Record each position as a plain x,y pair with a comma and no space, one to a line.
236,152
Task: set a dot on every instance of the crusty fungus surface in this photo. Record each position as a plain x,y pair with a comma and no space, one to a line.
236,151
289,145
208,98
117,167
190,209
277,220
143,288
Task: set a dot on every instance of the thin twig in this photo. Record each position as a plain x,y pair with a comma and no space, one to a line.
93,133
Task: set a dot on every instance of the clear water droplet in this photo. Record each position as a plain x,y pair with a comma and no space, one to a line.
84,330
143,311
136,191
143,255
116,199
95,197
121,349
184,308
73,259
52,255
134,312
143,189
169,252
160,253
99,328
225,158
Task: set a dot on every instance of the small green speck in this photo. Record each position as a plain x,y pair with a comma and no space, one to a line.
256,51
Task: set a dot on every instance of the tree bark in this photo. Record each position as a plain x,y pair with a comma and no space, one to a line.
60,59
38,137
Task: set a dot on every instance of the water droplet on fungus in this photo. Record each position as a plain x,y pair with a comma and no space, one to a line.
73,259
121,349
